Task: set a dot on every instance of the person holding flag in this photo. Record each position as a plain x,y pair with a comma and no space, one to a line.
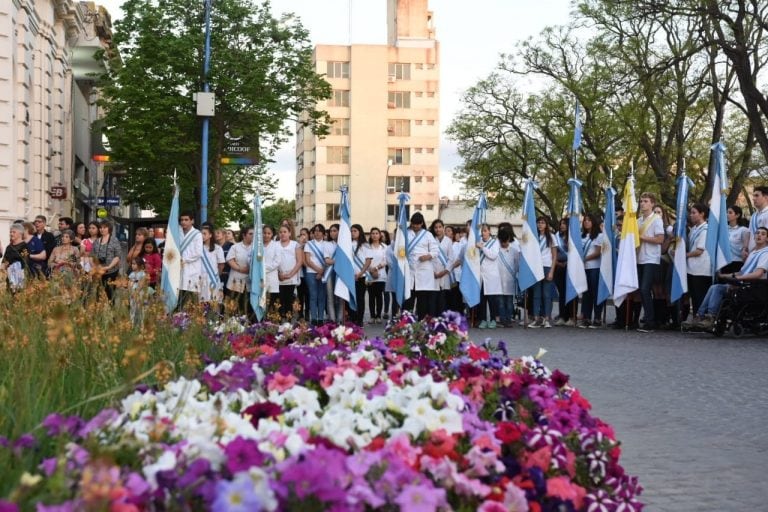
680,250
471,281
608,252
651,236
626,264
575,275
399,266
170,277
542,290
191,250
490,289
343,257
422,248
592,241
698,257
718,243
315,253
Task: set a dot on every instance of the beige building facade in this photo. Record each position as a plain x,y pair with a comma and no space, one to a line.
386,130
48,92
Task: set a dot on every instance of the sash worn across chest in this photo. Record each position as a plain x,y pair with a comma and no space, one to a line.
187,239
213,275
647,223
752,260
487,245
416,239
695,234
444,262
507,264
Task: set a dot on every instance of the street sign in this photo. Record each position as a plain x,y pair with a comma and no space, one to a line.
238,151
108,201
58,192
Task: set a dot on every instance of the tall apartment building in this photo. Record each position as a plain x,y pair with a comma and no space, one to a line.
386,131
48,91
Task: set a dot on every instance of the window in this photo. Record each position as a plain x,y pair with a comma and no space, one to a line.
419,94
417,150
430,66
337,155
340,98
417,179
392,211
398,99
419,207
399,156
430,179
430,207
399,127
334,183
431,122
332,211
399,70
419,122
430,94
419,65
338,70
430,150
340,127
398,184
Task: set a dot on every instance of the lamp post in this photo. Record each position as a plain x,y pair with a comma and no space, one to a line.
206,120
386,194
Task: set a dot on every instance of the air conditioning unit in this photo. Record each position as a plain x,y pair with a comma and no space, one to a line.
392,79
390,130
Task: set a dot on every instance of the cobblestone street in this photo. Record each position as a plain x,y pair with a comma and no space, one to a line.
690,409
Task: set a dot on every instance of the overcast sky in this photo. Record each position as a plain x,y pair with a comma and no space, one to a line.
472,34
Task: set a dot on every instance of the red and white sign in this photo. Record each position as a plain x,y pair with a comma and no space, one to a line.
58,192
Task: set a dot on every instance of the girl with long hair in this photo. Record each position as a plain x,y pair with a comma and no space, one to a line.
377,252
592,243
542,291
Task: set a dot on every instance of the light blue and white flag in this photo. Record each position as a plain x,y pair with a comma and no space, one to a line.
531,270
718,244
401,271
256,273
576,276
608,250
470,268
679,264
343,257
170,280
577,129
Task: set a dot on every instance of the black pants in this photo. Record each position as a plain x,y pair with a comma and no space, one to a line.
454,300
376,298
286,299
697,289
302,292
358,316
426,301
108,281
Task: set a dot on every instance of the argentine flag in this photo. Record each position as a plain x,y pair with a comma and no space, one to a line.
608,252
170,280
256,273
531,270
470,268
626,266
401,271
718,244
345,270
576,276
679,265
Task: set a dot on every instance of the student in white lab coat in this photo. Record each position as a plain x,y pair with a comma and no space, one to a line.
490,287
422,249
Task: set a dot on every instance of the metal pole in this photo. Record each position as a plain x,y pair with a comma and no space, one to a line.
206,120
386,188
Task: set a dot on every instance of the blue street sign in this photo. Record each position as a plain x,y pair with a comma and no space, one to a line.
108,201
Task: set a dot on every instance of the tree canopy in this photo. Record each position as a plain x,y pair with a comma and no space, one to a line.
658,84
261,72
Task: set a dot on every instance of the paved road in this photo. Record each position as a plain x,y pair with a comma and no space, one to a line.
691,410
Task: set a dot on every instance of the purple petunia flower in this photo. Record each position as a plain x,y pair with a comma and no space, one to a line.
242,454
420,498
7,506
238,495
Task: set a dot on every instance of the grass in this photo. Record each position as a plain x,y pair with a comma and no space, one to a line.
66,349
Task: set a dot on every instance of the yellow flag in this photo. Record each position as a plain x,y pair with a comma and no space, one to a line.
630,214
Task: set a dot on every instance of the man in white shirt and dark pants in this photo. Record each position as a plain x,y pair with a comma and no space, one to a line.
191,249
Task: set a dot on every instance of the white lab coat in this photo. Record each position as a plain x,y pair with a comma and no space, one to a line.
422,272
191,264
444,283
511,255
489,268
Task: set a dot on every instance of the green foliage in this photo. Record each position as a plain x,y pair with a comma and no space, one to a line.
261,72
273,214
653,97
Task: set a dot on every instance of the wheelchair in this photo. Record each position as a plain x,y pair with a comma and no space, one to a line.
744,310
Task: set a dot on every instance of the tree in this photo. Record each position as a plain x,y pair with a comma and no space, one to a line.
261,72
273,214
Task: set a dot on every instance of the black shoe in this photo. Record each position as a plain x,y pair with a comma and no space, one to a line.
647,327
617,325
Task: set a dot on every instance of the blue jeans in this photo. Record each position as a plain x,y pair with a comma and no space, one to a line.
646,276
589,299
712,300
506,308
317,297
542,296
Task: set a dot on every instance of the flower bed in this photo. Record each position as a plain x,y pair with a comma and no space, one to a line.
324,419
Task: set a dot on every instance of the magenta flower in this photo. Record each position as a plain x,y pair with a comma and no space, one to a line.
237,496
242,454
420,498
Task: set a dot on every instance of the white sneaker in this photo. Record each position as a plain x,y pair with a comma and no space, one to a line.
570,323
559,322
536,324
547,325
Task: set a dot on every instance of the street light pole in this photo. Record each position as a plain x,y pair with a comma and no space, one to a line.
206,120
386,187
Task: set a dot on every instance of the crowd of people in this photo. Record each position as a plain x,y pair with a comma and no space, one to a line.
300,280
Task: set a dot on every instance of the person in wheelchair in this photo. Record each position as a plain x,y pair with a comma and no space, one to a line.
755,269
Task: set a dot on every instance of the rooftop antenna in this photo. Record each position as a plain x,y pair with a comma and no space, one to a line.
349,23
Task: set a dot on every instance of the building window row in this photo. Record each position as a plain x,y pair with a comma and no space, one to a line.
334,182
424,150
337,154
338,69
428,122
333,211
398,184
430,94
340,127
399,127
399,156
340,98
399,99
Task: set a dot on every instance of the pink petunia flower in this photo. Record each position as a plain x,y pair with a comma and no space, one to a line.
282,383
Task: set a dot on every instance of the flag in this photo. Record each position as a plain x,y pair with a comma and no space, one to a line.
401,271
531,271
345,270
718,245
256,272
626,265
575,277
170,280
577,129
608,252
679,265
470,268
